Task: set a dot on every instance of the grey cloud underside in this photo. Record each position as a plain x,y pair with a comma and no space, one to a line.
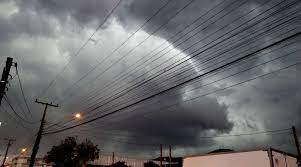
197,118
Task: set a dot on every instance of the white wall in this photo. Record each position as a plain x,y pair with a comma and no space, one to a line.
240,159
282,160
107,160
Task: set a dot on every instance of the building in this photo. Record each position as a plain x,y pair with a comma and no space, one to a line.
106,160
7,161
253,158
23,161
169,162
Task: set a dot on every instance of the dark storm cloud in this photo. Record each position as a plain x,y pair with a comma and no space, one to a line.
278,98
182,127
195,119
186,120
84,13
81,11
25,23
150,123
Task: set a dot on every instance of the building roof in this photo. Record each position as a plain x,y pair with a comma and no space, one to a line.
220,151
217,152
166,159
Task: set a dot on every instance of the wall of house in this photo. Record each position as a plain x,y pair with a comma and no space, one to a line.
283,160
24,162
239,159
107,160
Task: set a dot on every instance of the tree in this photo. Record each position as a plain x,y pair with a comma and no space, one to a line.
150,164
119,164
71,154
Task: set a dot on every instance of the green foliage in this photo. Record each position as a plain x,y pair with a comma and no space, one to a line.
150,164
119,164
71,154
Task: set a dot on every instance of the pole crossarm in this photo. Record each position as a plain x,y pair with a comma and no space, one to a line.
9,143
40,132
48,104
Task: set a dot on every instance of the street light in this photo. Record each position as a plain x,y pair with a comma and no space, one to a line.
2,123
78,116
23,150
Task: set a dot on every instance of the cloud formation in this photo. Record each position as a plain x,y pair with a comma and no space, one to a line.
44,35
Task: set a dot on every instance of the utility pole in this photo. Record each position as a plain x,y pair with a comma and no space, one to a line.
39,135
297,145
4,78
113,158
9,143
170,156
160,155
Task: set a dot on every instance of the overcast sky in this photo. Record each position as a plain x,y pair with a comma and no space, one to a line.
60,62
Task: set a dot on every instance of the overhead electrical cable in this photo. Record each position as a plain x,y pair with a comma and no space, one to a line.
157,74
181,84
15,112
22,91
141,42
231,3
161,72
187,91
268,132
97,77
80,49
117,48
15,118
226,77
123,74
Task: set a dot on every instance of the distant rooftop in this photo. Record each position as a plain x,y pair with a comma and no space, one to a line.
221,151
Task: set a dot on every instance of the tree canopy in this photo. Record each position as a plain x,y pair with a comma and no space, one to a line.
150,164
70,153
119,164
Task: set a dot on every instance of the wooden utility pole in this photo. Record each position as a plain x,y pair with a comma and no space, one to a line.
9,143
39,135
297,145
270,153
160,155
4,78
170,156
113,158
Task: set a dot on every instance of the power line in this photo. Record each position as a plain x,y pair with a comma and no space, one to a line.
248,69
179,11
220,11
183,83
156,13
15,112
218,90
162,44
125,91
160,28
15,119
177,135
80,49
122,44
187,25
160,109
18,102
23,94
268,132
158,74
243,43
140,43
232,75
